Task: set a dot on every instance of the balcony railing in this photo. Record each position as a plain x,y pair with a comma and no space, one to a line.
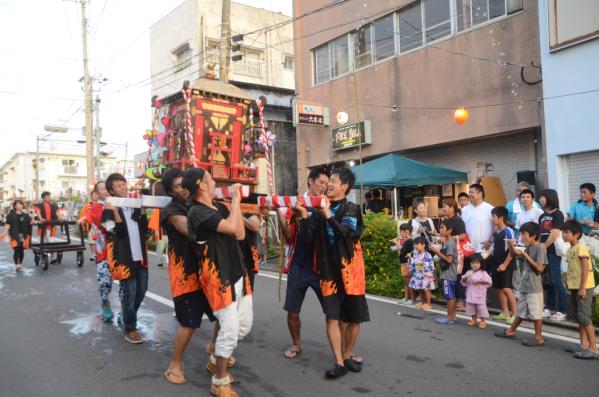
70,169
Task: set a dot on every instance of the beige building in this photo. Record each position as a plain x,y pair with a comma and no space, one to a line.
59,173
405,66
184,41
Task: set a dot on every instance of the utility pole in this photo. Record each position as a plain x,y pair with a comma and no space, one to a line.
37,168
87,87
98,134
225,44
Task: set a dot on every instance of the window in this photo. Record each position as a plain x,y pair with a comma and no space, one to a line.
212,51
362,47
410,28
250,63
437,19
322,65
421,22
288,62
384,38
182,57
340,56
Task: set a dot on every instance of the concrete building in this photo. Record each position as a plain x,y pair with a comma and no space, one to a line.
405,66
570,58
188,38
61,174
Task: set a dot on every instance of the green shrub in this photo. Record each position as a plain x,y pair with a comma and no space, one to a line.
383,276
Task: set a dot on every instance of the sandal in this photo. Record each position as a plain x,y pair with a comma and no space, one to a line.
533,343
292,352
505,334
356,358
174,377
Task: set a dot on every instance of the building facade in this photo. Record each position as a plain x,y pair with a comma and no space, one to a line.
405,66
570,57
61,174
185,41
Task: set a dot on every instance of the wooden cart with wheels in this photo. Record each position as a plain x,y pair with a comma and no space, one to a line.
44,248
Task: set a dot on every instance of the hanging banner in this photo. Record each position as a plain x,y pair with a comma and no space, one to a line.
349,136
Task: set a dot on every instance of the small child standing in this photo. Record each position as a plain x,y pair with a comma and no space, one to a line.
406,246
448,254
530,301
422,268
477,281
580,282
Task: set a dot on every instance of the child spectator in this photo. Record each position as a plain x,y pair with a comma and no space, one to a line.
422,268
477,280
422,225
448,254
530,302
580,282
406,247
463,199
501,265
583,211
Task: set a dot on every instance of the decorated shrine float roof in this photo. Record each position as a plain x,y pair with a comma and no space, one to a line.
212,88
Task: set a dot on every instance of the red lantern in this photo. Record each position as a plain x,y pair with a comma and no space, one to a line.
460,116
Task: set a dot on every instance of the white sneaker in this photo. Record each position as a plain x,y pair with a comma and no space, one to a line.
402,301
409,302
546,313
558,317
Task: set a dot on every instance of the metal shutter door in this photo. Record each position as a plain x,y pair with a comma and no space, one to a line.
507,154
583,167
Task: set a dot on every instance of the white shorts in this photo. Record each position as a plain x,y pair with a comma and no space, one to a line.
530,306
235,322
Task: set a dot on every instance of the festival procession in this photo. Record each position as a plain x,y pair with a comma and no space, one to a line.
295,198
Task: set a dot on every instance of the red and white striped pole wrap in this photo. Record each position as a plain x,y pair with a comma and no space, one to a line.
224,192
271,185
191,151
276,201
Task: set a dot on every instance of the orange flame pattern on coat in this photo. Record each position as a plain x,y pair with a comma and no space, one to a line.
353,273
180,283
119,271
255,259
15,243
248,285
217,294
328,287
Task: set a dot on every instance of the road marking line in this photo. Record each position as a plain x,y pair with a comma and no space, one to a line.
461,316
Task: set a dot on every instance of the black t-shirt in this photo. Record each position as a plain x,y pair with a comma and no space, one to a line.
500,247
223,249
547,222
303,251
19,225
178,242
250,240
457,226
406,248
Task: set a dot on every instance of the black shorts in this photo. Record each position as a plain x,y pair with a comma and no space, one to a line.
191,307
346,308
503,280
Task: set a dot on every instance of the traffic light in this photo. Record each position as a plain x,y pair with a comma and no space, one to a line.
236,48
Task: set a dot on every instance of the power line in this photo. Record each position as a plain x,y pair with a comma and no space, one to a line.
521,101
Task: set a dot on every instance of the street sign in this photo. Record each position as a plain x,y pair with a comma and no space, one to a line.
307,113
348,136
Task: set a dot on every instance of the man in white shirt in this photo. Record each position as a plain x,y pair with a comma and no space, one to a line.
477,217
531,212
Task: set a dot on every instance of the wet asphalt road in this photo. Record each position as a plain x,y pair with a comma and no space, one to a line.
53,343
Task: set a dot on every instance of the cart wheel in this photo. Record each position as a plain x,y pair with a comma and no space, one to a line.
59,257
45,261
80,259
37,259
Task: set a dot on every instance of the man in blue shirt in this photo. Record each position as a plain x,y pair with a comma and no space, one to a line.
583,211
